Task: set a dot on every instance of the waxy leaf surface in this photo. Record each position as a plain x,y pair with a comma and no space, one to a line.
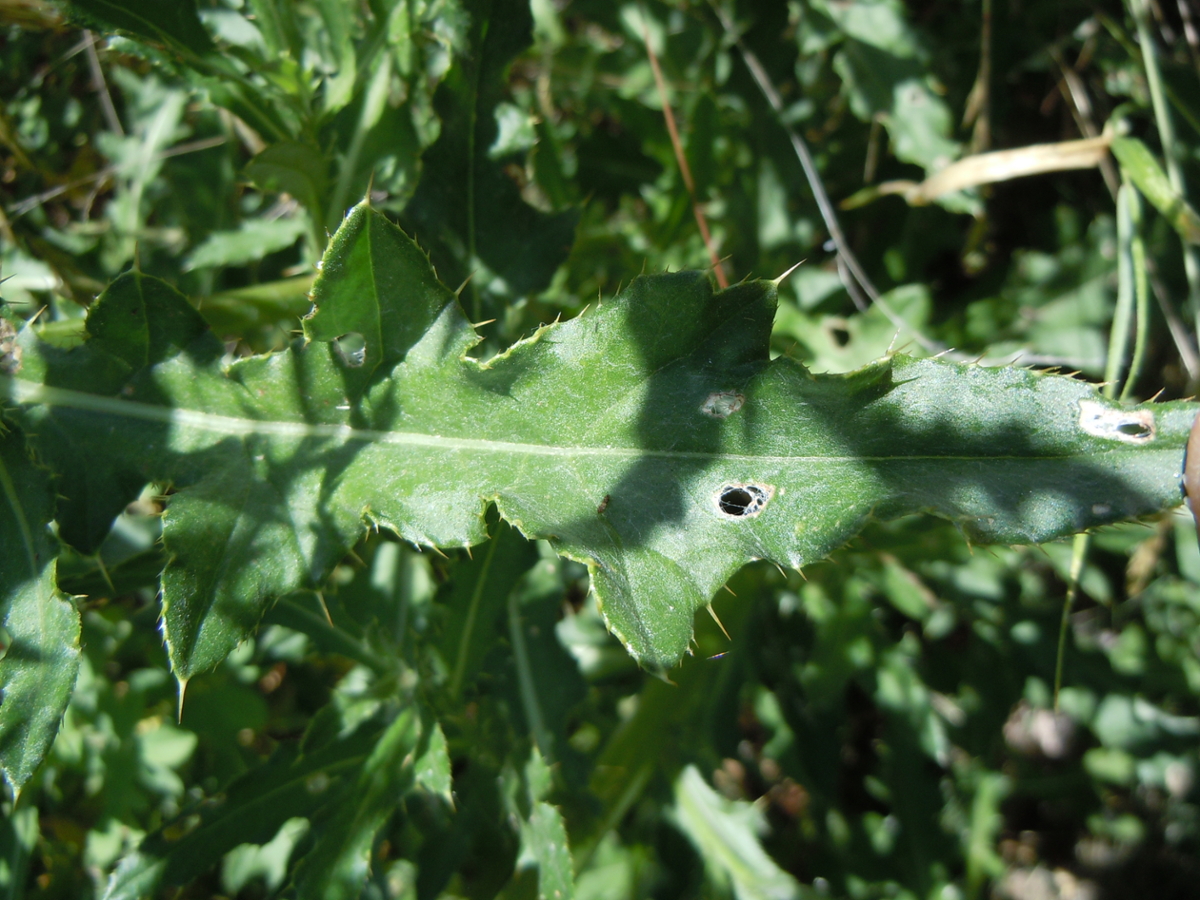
651,437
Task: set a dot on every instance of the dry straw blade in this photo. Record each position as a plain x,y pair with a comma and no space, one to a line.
991,168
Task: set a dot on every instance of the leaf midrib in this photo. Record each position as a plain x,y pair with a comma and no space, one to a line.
30,393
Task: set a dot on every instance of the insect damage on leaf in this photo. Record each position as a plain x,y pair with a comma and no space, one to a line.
1133,426
722,404
744,500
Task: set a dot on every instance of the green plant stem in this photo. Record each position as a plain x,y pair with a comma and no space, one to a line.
1135,53
472,122
1166,134
464,643
303,619
1141,292
1079,551
372,109
1122,324
528,689
634,785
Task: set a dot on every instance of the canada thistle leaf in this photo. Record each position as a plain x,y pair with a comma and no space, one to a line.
652,438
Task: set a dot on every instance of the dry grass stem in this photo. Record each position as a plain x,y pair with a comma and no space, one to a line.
997,166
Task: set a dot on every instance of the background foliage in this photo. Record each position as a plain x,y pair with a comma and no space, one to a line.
881,726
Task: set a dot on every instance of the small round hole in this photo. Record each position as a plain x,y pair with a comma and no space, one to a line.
740,500
736,501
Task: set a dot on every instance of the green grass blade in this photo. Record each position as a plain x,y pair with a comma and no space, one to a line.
1139,164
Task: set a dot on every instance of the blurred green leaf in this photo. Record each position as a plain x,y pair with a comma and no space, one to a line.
726,834
1124,722
885,79
295,782
295,168
880,23
476,597
432,768
544,844
253,240
18,840
248,862
175,24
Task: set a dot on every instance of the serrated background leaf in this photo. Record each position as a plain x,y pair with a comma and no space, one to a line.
297,168
467,209
544,843
41,625
254,240
378,285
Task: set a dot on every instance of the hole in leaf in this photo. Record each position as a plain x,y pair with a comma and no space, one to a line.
721,404
736,501
5,641
1131,426
840,336
1134,429
741,500
352,348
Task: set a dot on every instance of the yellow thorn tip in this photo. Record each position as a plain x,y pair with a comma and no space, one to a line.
778,281
712,612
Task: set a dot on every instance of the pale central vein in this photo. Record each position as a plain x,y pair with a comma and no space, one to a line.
28,393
